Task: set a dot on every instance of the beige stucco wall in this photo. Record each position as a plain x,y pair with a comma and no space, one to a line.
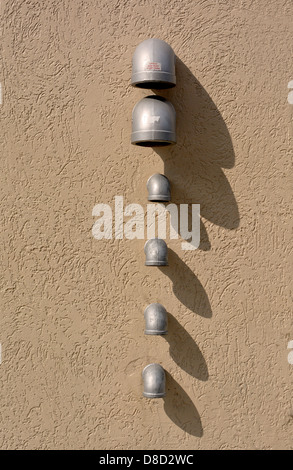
71,323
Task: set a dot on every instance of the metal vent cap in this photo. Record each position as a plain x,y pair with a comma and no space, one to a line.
154,381
156,252
153,65
156,320
158,187
153,122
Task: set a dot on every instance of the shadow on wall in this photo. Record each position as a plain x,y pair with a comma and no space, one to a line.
186,286
204,146
180,409
194,169
184,350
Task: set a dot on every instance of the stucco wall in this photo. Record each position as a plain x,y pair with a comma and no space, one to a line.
71,323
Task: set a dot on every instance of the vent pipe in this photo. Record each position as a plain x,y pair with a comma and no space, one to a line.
153,65
156,320
156,252
153,122
154,381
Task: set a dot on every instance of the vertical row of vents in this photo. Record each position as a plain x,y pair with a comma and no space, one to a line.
154,125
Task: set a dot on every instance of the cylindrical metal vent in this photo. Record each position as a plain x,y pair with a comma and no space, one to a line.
156,320
158,187
153,122
156,252
154,381
153,65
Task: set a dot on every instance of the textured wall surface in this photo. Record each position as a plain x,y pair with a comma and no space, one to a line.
71,323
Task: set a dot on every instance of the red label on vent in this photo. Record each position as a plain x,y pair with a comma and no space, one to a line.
153,66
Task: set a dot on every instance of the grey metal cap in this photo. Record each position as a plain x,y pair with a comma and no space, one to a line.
158,187
156,252
156,320
153,122
153,65
154,381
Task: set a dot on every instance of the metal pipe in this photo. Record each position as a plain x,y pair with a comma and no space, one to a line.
153,65
158,187
156,320
154,381
153,122
156,252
